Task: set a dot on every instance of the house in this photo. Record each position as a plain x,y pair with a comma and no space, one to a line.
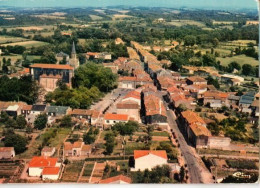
148,159
196,80
111,119
196,91
154,110
26,110
38,109
95,117
81,114
57,110
47,167
77,149
132,54
245,101
178,98
127,82
255,108
60,56
188,117
130,108
48,151
119,41
120,179
15,109
195,131
231,79
7,152
215,99
132,97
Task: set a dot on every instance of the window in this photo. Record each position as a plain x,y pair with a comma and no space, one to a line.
107,121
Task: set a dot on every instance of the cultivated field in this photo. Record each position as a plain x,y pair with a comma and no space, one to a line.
10,39
223,23
95,17
240,59
180,23
27,44
120,16
72,171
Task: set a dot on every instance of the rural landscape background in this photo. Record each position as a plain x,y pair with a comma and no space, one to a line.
127,92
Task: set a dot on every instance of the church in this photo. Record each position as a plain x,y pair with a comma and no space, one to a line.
48,75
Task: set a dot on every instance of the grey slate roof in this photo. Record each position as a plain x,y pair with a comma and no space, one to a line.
57,109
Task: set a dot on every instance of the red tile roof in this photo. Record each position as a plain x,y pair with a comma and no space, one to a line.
133,94
141,153
125,105
127,78
6,149
192,117
50,171
196,79
51,66
27,107
43,162
115,179
199,130
121,117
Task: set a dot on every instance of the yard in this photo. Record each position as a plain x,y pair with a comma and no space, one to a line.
72,171
243,164
131,146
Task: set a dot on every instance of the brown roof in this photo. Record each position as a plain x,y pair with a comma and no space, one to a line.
199,130
196,79
124,105
86,148
127,78
51,66
81,112
47,149
69,146
192,117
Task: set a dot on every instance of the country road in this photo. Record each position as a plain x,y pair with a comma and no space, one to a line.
197,170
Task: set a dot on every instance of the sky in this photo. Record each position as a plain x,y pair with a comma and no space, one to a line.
212,4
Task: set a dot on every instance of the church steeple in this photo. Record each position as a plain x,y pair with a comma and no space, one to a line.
73,61
73,51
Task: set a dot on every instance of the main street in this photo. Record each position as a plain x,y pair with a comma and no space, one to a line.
197,170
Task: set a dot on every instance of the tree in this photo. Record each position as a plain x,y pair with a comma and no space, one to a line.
40,121
110,142
17,141
212,81
215,42
182,174
126,128
21,122
189,40
233,65
66,121
247,69
4,116
181,108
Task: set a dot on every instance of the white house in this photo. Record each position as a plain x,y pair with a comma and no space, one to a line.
48,151
147,159
120,179
111,119
47,167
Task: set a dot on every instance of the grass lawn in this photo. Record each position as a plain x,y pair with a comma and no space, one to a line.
123,165
240,59
160,134
88,169
10,39
131,146
72,171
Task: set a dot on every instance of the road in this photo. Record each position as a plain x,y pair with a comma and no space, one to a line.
197,170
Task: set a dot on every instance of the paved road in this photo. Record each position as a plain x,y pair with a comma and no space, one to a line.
198,174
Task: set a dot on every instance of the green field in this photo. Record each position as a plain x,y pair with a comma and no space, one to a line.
240,59
10,39
14,58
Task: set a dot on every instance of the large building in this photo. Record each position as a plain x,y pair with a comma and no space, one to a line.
49,74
